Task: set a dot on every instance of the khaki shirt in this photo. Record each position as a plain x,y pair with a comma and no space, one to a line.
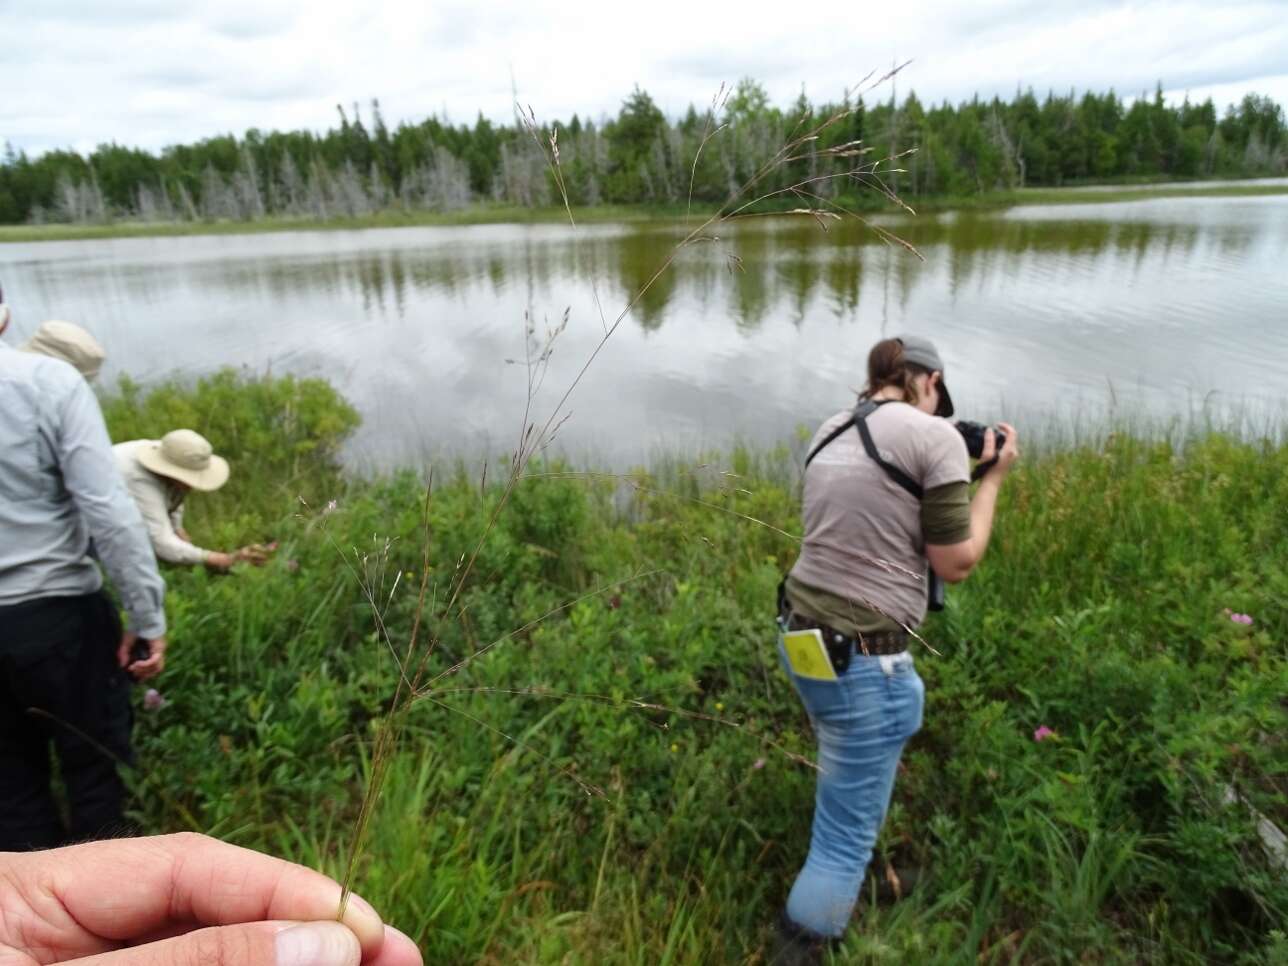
864,539
160,502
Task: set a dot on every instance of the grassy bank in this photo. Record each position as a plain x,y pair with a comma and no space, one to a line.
867,203
608,829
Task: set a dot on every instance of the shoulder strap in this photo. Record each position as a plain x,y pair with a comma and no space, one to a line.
892,471
827,439
859,420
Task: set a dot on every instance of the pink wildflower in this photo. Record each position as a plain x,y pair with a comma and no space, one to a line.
758,764
152,699
1043,733
1241,619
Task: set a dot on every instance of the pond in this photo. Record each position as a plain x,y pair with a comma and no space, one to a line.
1169,307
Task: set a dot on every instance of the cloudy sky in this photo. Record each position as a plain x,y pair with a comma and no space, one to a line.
156,72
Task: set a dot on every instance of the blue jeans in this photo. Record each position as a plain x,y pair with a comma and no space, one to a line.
862,721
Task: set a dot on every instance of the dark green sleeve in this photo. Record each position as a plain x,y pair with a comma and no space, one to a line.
945,514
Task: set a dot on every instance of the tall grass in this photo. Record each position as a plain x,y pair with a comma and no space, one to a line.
1099,613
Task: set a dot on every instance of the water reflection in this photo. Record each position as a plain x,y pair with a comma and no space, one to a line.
639,258
748,334
756,270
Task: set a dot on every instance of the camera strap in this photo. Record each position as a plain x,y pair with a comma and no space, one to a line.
859,420
981,468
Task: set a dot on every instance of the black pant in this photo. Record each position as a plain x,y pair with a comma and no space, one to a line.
58,655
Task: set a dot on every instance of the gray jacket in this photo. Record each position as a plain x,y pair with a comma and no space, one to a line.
59,487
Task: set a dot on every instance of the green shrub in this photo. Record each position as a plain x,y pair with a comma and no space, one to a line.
282,437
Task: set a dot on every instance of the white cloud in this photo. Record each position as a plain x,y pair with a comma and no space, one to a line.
155,72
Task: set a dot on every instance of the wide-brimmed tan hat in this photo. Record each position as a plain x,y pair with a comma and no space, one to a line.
187,457
69,342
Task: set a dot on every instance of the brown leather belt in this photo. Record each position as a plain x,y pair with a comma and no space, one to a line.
878,642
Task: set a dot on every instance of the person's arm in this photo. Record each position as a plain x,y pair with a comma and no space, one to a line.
954,562
171,541
176,521
120,538
214,559
149,494
218,560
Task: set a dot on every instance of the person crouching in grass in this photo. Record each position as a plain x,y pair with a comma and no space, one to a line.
159,475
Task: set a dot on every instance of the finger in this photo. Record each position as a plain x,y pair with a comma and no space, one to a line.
123,652
142,670
990,446
189,878
397,950
251,944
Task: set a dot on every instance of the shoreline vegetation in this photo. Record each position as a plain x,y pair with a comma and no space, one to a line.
867,204
609,766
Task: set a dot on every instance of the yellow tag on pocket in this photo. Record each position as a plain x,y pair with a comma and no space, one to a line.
807,655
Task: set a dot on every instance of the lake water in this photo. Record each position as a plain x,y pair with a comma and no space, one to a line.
1042,313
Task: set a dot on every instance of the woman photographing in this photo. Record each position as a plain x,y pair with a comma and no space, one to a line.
886,501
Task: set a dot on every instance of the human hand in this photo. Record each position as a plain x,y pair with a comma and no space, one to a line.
183,900
140,670
217,560
1009,453
256,553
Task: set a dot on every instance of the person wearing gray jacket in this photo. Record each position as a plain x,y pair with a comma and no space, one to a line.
65,661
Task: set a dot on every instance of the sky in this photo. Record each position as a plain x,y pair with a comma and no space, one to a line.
149,73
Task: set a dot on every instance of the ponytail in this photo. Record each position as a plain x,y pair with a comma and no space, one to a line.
887,367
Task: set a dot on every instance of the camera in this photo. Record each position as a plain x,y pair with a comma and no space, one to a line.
973,433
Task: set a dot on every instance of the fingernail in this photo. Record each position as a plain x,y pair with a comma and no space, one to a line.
362,905
317,944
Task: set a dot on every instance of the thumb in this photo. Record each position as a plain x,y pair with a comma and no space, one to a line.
123,652
247,944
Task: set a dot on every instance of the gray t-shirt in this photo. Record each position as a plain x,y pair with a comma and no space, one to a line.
863,532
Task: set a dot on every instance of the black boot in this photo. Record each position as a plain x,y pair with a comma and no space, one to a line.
795,945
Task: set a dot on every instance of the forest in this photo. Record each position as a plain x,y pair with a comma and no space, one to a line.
361,166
